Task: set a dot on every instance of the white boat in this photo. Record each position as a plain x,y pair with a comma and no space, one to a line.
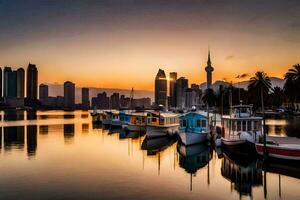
162,124
137,122
115,119
193,128
286,148
241,129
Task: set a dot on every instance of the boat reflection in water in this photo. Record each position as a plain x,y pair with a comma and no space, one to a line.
192,158
155,145
242,173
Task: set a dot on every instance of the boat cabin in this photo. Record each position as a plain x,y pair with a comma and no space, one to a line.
124,117
193,122
138,118
162,119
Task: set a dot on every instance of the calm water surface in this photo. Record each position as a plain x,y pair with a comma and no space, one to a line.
61,155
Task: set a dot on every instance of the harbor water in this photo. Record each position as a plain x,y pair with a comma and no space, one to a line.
62,155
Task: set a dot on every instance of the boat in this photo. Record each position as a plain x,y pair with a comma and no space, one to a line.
241,130
162,124
137,122
115,119
193,128
287,148
158,144
95,116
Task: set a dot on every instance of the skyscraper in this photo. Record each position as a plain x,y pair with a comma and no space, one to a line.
85,98
10,83
0,82
181,85
209,69
115,101
32,82
160,88
173,78
69,95
20,83
43,91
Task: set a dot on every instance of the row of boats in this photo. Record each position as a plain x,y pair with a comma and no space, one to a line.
240,132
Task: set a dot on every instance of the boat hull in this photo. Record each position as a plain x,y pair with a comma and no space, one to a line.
116,123
278,151
155,131
190,138
106,122
134,128
239,146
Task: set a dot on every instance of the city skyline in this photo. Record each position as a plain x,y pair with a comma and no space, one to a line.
88,45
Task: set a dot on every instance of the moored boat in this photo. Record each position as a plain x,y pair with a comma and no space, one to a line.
282,148
162,124
137,122
241,130
193,128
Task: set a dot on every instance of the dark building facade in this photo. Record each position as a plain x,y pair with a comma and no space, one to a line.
181,86
172,87
32,82
20,83
69,95
101,101
1,82
160,88
10,83
85,98
43,91
115,101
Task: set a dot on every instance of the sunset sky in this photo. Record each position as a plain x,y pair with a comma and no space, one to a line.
120,44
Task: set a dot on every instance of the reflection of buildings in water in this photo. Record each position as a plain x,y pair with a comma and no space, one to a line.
192,158
11,115
69,116
83,116
85,128
14,137
31,139
31,114
43,129
97,126
243,174
69,131
0,137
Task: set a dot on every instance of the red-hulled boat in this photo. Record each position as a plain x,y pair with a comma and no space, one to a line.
280,150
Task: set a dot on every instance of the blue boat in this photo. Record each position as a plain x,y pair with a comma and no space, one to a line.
124,117
193,128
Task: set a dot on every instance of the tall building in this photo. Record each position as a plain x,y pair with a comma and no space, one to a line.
160,88
20,83
0,82
69,95
181,85
172,87
101,101
115,101
209,69
32,82
10,83
85,98
43,91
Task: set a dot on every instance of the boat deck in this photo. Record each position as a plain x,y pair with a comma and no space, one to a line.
284,140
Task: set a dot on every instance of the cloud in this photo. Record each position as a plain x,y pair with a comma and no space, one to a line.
230,57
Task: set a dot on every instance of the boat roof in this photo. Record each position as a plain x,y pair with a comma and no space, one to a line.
242,106
138,114
242,118
195,113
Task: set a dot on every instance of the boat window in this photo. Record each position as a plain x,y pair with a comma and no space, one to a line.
244,124
239,126
154,119
198,123
233,124
161,121
184,123
249,126
203,123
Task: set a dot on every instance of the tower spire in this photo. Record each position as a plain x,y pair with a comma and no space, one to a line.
208,60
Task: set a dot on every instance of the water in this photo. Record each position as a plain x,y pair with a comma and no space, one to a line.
61,155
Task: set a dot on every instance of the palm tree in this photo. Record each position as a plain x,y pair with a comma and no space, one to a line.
262,83
277,97
292,82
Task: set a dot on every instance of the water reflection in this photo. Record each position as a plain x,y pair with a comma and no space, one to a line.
85,128
13,115
14,138
156,145
44,129
69,132
241,172
31,140
192,158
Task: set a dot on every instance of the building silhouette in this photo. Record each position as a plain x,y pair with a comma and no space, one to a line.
172,87
32,82
101,101
209,69
115,101
20,83
181,85
85,98
43,91
160,88
10,83
1,82
69,95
